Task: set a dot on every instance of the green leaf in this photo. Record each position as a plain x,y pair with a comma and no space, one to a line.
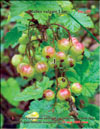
22,82
30,93
82,68
46,83
73,75
86,117
19,6
12,37
72,25
1,120
39,106
95,54
89,89
87,53
66,5
50,73
10,89
92,75
41,17
84,28
43,108
93,110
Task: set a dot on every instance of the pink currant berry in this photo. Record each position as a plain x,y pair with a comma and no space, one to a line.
64,44
74,40
48,94
63,94
76,88
60,56
77,49
25,70
48,51
41,67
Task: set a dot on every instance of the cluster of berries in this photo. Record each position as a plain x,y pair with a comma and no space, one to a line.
70,52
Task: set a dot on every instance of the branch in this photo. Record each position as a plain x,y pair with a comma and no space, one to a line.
73,112
65,29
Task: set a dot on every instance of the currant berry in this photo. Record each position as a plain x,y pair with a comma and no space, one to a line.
48,94
38,57
73,99
26,60
64,44
21,48
52,62
48,51
69,61
77,49
74,40
16,59
60,56
76,88
23,39
62,82
41,67
25,70
63,94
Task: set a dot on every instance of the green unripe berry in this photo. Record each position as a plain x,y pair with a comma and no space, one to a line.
73,99
62,82
26,60
24,39
16,59
69,61
38,57
22,48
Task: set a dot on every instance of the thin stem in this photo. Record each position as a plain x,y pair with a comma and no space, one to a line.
56,75
53,36
70,39
74,113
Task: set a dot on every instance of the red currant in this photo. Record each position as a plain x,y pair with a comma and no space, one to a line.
64,44
25,70
74,40
60,56
48,94
62,82
41,67
63,94
48,51
16,59
77,49
76,88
